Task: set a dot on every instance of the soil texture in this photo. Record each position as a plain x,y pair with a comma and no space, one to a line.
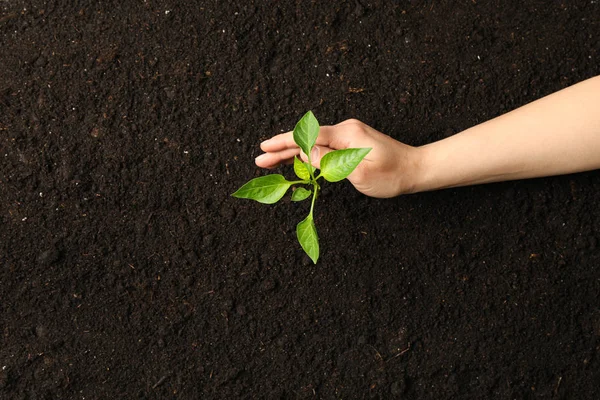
127,270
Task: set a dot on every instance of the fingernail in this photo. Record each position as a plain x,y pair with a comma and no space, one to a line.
314,154
262,156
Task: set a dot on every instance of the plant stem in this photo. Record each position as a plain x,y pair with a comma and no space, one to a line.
312,204
310,168
316,186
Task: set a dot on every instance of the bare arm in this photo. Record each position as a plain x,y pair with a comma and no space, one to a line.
558,134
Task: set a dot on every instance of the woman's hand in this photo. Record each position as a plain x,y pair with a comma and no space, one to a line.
558,134
388,170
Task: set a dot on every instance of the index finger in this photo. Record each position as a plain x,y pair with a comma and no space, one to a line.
279,142
327,136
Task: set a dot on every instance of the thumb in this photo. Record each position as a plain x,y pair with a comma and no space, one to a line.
316,155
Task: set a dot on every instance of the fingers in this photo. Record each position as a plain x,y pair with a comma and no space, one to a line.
316,155
282,148
334,137
279,142
273,159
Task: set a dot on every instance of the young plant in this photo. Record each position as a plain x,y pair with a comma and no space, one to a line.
335,166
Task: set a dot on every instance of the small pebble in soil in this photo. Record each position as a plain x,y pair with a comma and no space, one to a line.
49,256
40,62
40,331
170,92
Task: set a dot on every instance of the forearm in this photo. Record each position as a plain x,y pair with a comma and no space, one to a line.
558,134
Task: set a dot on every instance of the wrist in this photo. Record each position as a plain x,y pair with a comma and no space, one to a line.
431,169
413,171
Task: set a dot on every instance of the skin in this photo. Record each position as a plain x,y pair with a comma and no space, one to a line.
555,135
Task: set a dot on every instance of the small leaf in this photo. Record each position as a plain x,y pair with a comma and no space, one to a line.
306,132
307,236
300,194
267,189
338,164
301,169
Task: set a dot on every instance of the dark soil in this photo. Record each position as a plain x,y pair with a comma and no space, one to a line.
127,270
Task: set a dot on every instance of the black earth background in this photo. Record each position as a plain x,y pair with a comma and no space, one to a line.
128,271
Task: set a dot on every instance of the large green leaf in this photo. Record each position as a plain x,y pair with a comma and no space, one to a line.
300,194
267,189
307,236
306,132
301,169
337,165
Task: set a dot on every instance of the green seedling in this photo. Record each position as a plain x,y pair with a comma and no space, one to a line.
335,166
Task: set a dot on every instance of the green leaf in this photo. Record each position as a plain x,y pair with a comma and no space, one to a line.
338,164
301,169
307,236
310,167
306,132
300,194
267,189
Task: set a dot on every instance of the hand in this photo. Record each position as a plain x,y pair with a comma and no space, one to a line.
387,171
